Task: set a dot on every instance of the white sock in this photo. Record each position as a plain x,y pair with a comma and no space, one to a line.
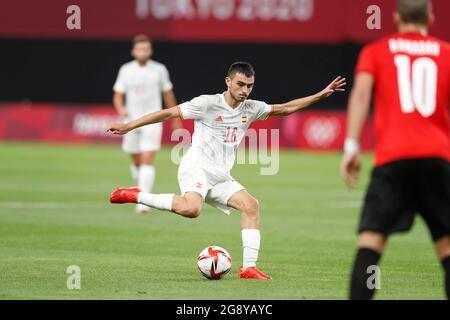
146,178
134,173
251,240
158,201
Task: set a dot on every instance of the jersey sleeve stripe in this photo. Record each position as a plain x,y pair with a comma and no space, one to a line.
179,113
269,114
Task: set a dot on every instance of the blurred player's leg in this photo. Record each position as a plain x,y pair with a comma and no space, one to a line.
135,173
131,145
371,246
446,265
433,184
134,167
146,176
443,251
149,143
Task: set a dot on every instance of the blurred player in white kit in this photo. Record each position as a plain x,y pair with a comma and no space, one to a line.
141,87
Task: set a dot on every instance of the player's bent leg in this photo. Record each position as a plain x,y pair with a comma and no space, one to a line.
189,205
135,195
443,251
371,246
251,238
125,195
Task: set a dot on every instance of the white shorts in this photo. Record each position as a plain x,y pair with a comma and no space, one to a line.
147,138
214,186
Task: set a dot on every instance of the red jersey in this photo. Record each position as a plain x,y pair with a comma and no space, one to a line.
411,96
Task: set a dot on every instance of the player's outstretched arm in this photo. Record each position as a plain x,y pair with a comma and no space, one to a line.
293,106
154,117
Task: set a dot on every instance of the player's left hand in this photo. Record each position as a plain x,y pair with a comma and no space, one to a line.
337,85
118,128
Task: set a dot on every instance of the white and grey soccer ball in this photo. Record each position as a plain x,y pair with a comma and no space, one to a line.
214,262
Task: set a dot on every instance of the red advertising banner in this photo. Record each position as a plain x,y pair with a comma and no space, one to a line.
308,130
290,21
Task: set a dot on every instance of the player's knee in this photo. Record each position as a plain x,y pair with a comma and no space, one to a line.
443,247
251,208
192,211
372,240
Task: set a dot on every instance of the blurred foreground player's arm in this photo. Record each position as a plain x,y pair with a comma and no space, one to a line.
293,106
358,109
119,89
119,103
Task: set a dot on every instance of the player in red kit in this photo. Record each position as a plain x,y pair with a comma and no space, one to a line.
409,73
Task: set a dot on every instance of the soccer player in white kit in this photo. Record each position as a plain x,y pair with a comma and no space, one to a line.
221,122
143,83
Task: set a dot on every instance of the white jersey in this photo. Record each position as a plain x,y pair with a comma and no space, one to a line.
219,129
142,86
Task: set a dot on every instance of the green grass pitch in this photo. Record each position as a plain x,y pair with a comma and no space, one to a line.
54,212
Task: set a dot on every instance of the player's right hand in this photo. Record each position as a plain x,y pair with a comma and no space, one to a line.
350,167
118,128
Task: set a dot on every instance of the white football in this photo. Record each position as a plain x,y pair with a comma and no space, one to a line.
214,262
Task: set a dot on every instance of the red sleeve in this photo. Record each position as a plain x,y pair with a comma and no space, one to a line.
448,64
366,61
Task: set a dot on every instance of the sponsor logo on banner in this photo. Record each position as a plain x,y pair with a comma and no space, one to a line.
247,10
93,125
320,132
285,21
61,123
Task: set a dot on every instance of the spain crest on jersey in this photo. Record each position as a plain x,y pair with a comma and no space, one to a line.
244,118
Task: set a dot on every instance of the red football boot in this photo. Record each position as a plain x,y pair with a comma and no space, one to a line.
125,195
252,273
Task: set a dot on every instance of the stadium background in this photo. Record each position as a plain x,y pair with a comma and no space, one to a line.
295,46
56,86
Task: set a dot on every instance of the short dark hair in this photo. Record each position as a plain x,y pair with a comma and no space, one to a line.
140,38
414,11
241,67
